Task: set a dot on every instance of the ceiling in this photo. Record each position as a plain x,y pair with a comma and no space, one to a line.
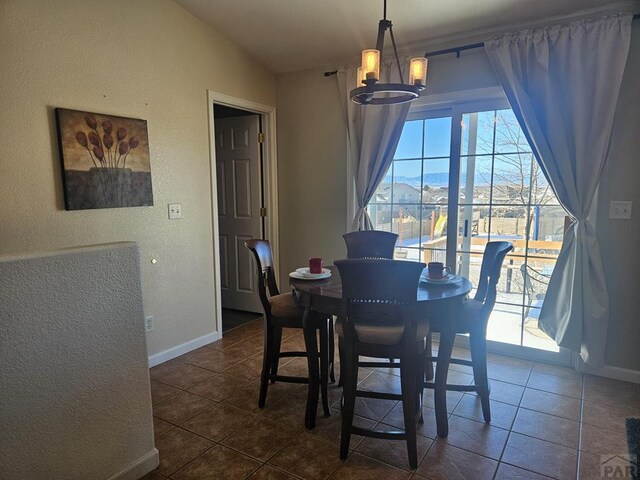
290,35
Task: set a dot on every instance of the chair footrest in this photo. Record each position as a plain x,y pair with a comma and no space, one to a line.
378,395
392,435
453,387
286,378
457,361
292,354
379,364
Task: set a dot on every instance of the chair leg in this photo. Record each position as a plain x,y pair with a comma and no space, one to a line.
341,357
275,355
332,351
478,344
324,367
267,361
429,364
447,337
419,383
349,378
408,379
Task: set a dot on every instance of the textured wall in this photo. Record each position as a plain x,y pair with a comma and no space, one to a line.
312,147
147,59
75,400
619,238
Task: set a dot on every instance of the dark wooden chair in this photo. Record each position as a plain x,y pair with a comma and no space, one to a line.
281,311
469,318
370,244
379,319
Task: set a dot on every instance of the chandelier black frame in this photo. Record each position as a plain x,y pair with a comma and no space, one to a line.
375,92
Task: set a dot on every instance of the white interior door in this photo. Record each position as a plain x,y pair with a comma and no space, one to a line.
239,194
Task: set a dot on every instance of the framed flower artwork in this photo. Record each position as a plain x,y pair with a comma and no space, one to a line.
105,160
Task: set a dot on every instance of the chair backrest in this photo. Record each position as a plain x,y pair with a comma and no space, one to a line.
492,260
370,244
379,291
261,250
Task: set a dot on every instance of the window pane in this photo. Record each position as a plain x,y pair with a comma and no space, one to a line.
435,186
475,179
511,178
404,253
380,216
437,137
533,336
547,223
410,145
509,136
383,192
477,133
505,324
407,181
434,220
406,223
541,192
473,225
509,222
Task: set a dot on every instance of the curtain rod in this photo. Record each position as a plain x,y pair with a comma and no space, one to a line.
455,50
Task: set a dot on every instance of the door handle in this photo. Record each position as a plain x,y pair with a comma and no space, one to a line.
466,228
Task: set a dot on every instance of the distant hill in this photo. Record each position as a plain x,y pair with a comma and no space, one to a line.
431,179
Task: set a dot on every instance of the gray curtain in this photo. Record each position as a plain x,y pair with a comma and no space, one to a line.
373,132
563,84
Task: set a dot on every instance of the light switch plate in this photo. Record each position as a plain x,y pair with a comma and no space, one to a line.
620,210
175,211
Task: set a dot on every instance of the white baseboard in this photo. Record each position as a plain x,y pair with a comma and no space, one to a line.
140,467
617,373
183,348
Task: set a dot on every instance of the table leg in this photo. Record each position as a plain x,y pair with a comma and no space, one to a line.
447,337
309,330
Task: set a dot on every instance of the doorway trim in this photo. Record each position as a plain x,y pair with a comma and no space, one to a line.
270,183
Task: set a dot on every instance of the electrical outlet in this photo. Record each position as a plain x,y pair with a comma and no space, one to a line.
175,211
620,210
148,323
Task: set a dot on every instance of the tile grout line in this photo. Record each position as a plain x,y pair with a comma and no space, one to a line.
411,472
512,424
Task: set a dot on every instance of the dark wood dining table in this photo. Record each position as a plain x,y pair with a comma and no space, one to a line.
323,298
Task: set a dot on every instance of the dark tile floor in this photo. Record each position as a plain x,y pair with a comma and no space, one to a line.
548,421
235,318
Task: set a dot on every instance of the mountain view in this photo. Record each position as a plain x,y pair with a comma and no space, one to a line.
432,179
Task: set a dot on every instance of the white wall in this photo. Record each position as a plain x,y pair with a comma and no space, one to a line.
314,143
312,148
619,239
147,59
75,400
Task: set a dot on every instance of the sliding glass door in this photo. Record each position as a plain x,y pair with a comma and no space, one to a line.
466,176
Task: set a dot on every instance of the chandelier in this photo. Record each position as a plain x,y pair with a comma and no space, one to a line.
370,91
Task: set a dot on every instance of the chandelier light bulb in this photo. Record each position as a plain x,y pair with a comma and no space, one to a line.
359,77
418,72
371,64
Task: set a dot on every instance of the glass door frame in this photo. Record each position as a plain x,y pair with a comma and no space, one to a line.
455,110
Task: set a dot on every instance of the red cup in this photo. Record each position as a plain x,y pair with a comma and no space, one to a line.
437,270
315,265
